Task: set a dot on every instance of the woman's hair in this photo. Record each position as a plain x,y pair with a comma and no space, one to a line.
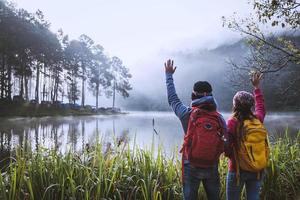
242,110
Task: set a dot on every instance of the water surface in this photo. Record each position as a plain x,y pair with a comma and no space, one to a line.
75,132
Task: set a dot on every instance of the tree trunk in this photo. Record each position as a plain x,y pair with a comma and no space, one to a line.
74,91
44,92
74,99
29,88
50,89
21,86
26,88
52,95
62,94
44,82
9,91
3,76
56,89
97,95
56,85
37,83
82,96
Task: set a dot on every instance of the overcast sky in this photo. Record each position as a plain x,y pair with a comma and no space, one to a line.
136,29
142,33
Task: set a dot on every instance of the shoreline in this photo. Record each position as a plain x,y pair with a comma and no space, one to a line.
70,112
31,111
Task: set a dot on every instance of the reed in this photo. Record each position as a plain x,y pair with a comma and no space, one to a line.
126,172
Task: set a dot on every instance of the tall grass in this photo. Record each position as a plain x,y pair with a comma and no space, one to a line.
282,180
129,173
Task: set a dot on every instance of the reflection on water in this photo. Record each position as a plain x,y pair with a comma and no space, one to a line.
64,133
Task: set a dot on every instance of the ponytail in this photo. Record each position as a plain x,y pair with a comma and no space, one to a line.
241,113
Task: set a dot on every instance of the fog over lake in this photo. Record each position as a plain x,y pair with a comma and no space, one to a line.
74,133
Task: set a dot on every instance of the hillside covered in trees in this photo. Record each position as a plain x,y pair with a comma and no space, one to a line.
215,65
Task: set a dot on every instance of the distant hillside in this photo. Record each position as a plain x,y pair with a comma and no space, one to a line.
205,64
192,66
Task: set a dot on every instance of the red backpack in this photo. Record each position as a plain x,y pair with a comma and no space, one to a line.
203,142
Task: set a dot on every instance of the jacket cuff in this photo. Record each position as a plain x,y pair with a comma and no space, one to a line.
257,91
169,75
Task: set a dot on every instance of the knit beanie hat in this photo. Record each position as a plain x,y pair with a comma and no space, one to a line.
202,87
243,98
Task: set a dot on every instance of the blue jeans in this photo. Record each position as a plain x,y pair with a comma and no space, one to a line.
249,179
192,178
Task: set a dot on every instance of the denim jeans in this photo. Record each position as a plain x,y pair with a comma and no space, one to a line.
193,176
249,179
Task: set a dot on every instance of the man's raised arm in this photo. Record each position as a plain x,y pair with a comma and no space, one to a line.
178,107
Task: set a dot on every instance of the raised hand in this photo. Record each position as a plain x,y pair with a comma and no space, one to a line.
169,67
255,79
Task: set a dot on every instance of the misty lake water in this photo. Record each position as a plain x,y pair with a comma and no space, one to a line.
75,132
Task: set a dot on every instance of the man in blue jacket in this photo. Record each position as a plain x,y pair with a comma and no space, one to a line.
193,176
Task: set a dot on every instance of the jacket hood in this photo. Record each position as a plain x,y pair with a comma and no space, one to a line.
204,100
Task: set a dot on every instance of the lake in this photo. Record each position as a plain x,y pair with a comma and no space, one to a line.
75,132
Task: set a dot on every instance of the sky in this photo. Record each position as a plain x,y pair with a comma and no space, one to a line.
134,29
142,32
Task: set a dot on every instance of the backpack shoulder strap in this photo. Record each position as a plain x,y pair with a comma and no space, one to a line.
195,113
222,123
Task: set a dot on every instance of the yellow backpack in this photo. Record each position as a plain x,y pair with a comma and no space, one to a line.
254,150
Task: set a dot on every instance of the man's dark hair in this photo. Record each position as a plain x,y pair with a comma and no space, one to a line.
202,86
200,89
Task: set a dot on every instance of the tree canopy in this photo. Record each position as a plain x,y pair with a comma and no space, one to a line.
276,53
